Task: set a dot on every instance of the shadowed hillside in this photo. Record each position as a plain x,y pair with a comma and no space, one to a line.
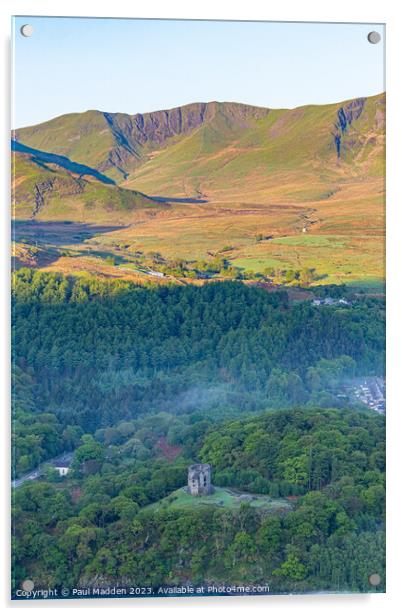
42,158
52,187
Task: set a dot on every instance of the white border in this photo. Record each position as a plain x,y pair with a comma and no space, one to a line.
367,11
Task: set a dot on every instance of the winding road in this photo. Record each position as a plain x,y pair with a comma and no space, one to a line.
62,460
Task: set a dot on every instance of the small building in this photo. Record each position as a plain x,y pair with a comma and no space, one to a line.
330,301
62,470
199,479
62,464
157,274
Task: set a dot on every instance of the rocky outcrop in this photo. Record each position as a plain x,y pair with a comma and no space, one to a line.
40,190
156,127
347,114
133,133
64,187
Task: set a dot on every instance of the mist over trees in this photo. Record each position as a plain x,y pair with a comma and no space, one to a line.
90,353
141,382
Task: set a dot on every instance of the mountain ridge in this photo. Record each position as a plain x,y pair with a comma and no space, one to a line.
119,145
274,190
211,102
132,132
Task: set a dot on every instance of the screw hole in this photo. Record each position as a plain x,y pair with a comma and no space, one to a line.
374,37
27,30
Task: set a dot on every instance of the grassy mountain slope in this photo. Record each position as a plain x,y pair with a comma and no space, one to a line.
308,182
43,158
83,137
48,190
207,145
115,143
299,154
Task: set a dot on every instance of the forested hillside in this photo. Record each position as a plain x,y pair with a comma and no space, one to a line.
96,528
88,354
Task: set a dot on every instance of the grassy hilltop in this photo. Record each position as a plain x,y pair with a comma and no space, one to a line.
266,189
225,498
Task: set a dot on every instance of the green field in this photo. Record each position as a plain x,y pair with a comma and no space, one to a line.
315,241
222,497
352,260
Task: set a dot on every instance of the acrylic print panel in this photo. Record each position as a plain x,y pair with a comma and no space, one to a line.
198,308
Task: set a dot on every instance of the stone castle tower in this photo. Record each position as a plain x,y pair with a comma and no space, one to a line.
199,479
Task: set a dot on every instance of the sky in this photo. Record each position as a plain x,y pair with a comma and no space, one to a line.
140,65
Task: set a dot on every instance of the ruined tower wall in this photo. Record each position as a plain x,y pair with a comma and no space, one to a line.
199,479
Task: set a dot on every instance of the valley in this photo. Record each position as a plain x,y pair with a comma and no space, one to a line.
270,191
